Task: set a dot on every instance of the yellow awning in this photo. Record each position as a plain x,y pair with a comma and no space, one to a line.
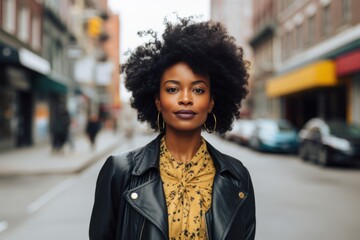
319,74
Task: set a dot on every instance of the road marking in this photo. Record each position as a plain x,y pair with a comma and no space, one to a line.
3,226
48,196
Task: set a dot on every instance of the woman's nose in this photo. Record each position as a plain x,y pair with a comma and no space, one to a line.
185,98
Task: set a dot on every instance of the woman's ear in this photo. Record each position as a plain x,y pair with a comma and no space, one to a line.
157,103
211,105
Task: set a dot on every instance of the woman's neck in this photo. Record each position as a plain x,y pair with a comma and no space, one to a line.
183,146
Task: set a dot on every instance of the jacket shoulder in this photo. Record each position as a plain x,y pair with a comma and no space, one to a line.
235,163
230,164
126,161
122,163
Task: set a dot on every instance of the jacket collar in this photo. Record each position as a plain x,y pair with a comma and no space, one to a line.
148,157
151,200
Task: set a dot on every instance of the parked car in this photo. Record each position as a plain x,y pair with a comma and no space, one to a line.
246,129
274,135
329,142
241,131
233,134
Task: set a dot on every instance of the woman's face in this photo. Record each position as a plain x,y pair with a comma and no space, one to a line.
184,100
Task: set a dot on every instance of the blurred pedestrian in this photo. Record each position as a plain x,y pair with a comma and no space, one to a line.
92,129
179,186
71,135
60,130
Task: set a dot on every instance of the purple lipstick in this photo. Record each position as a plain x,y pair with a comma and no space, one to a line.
185,114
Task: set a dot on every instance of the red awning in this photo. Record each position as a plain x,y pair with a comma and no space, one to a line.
348,63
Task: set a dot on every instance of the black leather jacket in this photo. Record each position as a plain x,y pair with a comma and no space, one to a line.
130,202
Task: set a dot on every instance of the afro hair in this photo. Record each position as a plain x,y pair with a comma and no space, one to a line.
208,49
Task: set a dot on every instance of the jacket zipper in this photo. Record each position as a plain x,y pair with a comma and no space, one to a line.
142,229
143,224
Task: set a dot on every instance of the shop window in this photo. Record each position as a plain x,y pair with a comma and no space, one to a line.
7,118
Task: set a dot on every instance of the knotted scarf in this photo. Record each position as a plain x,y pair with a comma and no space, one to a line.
188,192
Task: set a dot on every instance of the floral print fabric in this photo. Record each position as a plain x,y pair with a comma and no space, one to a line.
188,192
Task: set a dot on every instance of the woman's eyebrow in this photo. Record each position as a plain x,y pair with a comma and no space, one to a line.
193,83
172,81
199,81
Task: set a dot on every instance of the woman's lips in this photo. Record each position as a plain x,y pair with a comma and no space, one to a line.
185,114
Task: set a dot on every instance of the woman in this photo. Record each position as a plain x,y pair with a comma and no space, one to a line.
179,186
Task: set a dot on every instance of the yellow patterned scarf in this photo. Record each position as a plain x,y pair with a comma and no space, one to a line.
188,191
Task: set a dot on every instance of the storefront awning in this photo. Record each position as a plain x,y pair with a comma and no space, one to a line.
49,84
24,57
348,63
15,59
319,74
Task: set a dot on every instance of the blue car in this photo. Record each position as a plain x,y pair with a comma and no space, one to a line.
274,135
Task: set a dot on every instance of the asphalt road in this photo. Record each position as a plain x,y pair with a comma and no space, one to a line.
295,200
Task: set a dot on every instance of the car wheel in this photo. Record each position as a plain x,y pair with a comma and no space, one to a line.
302,152
323,158
252,143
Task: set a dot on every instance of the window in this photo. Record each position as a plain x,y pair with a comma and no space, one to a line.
24,18
9,15
326,21
293,41
288,44
283,47
311,30
35,35
298,36
345,10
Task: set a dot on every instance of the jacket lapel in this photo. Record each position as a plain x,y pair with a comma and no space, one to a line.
148,199
229,193
226,202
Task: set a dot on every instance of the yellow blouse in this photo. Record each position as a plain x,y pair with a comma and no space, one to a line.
188,192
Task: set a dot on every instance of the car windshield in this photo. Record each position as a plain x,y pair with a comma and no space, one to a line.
274,126
345,130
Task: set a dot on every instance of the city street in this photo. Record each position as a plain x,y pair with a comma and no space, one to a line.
295,200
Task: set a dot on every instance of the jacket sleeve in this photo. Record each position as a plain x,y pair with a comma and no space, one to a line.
250,218
108,201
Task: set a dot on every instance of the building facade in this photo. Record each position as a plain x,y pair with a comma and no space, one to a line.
22,68
236,15
263,43
40,44
101,56
315,55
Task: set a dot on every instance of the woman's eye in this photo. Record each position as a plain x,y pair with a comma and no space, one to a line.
171,90
199,90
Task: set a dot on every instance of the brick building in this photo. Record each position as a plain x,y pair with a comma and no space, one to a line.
315,60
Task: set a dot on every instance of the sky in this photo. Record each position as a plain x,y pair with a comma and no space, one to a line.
137,15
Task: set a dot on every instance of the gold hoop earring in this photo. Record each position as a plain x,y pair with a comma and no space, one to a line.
212,130
158,123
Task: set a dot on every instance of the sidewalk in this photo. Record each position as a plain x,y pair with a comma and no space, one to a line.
40,159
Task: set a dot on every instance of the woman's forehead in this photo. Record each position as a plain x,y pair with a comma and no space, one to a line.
182,71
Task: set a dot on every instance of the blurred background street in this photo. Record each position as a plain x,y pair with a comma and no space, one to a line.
64,109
